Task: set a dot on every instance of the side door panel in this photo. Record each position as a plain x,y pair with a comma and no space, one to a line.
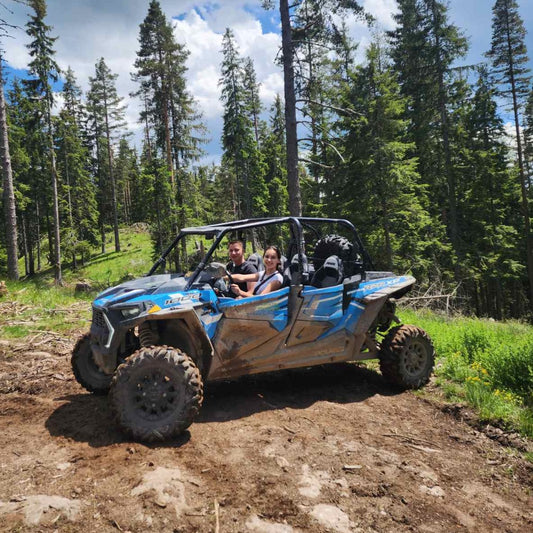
250,331
321,311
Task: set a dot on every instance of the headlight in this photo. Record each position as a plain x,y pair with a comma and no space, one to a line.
130,312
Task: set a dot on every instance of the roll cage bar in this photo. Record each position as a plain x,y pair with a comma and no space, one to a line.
220,230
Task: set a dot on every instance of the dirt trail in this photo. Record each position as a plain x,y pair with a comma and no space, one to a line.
324,449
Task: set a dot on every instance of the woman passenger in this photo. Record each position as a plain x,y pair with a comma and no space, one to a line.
268,280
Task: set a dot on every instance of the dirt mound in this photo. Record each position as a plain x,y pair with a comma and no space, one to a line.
324,449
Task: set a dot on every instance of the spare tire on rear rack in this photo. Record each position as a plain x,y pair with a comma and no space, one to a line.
339,246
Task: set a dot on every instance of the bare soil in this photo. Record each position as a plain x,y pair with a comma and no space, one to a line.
324,449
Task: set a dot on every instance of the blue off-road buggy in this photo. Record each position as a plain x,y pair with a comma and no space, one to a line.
155,340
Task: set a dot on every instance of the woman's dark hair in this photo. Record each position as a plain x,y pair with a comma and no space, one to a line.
278,253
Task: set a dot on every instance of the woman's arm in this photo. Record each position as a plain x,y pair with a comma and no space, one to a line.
272,286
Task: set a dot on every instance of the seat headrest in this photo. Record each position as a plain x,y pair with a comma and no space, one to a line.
295,263
256,260
329,274
333,262
296,271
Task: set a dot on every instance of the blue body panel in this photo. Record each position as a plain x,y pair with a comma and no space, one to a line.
259,333
319,305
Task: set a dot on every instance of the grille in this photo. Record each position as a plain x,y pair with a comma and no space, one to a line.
98,319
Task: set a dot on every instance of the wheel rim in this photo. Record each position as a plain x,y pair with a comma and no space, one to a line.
155,396
415,357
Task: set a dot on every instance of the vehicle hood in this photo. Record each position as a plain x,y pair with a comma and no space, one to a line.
162,283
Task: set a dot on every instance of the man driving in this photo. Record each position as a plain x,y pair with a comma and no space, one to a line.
238,265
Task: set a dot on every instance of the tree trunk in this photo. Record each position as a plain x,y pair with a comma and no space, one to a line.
448,167
525,202
38,229
55,201
25,247
111,175
9,194
523,180
293,180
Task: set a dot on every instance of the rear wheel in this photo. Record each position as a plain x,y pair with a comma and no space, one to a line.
86,371
407,357
156,393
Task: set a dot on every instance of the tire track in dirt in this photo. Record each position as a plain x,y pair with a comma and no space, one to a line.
323,449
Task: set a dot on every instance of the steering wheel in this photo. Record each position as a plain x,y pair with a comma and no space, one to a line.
230,278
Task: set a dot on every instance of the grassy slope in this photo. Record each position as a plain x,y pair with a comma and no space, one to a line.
484,363
36,304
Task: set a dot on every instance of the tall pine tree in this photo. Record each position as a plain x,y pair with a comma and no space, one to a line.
509,58
380,174
242,156
108,115
45,71
80,228
173,125
425,46
10,212
490,204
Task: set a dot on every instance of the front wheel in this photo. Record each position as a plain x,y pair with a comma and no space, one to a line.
156,393
86,371
407,357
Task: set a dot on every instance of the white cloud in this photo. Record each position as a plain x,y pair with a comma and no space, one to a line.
88,30
109,28
270,87
382,11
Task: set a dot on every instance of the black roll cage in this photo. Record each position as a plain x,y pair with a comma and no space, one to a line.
220,230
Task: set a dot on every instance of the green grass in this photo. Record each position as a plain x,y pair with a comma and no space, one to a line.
36,304
111,268
106,269
487,364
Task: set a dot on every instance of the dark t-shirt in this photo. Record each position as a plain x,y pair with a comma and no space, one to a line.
243,268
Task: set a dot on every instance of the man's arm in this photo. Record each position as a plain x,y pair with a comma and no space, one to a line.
244,277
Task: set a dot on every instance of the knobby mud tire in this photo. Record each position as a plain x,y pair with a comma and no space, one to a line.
156,394
335,245
86,372
407,357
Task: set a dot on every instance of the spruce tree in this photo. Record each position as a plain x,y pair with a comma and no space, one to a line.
173,127
251,90
10,212
528,134
108,115
45,71
425,46
27,161
127,178
79,190
274,152
242,156
508,54
381,173
490,203
156,42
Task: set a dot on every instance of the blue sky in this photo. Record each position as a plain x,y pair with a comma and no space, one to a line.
88,30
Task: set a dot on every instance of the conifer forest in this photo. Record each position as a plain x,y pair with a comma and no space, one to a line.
409,144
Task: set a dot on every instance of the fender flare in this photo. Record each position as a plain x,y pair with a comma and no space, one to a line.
196,329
